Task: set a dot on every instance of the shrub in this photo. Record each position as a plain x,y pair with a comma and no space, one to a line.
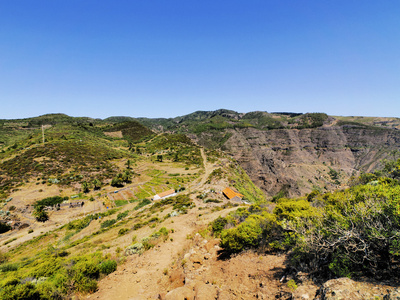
218,224
147,244
40,214
122,231
4,227
9,267
142,203
20,292
46,267
108,266
362,228
122,215
137,226
85,285
245,235
108,223
49,201
212,201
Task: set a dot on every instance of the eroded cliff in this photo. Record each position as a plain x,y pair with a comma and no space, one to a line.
297,161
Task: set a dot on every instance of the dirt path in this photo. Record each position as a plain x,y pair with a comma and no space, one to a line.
208,168
140,276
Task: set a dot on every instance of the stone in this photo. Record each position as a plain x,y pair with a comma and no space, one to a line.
206,291
196,259
345,288
181,293
177,278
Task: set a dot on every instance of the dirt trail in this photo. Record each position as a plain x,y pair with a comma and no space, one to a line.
208,168
139,277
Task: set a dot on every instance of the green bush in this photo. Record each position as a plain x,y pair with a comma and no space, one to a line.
245,235
122,215
218,224
46,267
4,227
84,284
40,214
122,231
108,223
108,266
9,267
142,203
361,225
21,292
50,201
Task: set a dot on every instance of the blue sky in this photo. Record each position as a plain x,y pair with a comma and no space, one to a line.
168,58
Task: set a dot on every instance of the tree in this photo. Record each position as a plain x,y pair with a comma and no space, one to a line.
128,164
127,177
85,187
40,214
4,227
97,184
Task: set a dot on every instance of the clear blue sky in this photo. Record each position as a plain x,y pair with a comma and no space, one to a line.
163,58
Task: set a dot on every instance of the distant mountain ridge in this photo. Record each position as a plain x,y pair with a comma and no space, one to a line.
289,153
292,153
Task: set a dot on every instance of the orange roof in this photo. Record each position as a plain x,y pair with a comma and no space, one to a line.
166,193
228,192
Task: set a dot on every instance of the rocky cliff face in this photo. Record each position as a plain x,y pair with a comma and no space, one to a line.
297,161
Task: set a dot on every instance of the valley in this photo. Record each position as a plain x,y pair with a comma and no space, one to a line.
81,220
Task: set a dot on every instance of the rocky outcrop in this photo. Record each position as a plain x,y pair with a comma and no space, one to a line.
300,160
345,288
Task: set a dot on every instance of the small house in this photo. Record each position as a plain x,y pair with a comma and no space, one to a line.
232,194
165,194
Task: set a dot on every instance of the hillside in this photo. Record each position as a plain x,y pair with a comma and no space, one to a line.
291,153
79,217
57,256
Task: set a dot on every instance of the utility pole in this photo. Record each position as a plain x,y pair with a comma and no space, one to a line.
43,133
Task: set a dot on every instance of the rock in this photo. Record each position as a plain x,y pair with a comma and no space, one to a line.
283,295
210,245
196,259
302,277
345,288
177,278
207,256
206,291
224,295
25,225
160,296
395,295
181,293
